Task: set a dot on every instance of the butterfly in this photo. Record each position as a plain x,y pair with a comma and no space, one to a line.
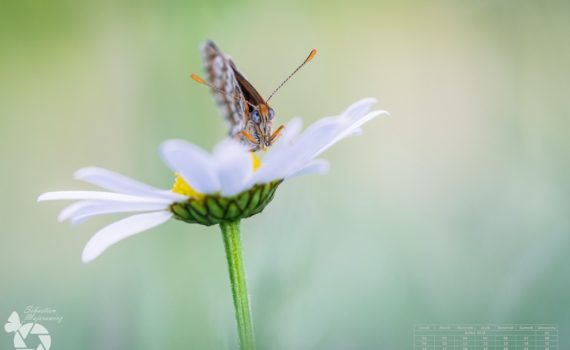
248,114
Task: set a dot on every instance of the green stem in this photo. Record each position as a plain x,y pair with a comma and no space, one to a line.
232,243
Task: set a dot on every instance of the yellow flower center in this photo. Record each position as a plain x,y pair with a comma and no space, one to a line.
182,187
256,161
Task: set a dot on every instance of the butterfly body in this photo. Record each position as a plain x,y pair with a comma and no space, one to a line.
249,117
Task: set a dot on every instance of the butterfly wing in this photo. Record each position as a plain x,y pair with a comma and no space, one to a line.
250,94
220,73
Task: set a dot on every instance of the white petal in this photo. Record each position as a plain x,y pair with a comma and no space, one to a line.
302,150
71,209
235,166
359,108
120,230
290,132
99,195
195,165
356,132
296,154
115,182
347,129
289,159
317,166
292,129
323,136
101,207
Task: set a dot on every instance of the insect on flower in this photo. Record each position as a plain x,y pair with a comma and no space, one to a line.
224,186
249,115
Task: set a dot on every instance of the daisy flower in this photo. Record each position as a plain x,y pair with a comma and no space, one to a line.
227,185
222,188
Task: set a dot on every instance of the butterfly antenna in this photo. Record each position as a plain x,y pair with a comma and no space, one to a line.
307,60
199,80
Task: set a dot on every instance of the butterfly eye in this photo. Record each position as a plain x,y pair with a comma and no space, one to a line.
255,116
271,113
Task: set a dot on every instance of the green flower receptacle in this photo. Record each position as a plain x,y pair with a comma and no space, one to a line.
214,208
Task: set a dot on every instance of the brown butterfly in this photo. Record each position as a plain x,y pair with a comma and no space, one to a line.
249,117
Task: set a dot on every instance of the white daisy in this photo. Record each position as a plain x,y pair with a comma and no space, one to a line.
227,185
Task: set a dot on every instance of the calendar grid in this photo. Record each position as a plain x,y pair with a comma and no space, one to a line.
486,337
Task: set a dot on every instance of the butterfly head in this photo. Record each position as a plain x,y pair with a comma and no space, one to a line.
261,119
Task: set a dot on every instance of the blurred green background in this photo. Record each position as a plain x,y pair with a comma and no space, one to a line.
453,210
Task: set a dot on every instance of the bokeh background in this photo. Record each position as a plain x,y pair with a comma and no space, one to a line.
453,210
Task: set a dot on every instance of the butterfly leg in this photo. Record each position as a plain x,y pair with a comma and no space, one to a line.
276,133
248,137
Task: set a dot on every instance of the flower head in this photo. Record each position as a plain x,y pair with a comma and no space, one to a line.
229,184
